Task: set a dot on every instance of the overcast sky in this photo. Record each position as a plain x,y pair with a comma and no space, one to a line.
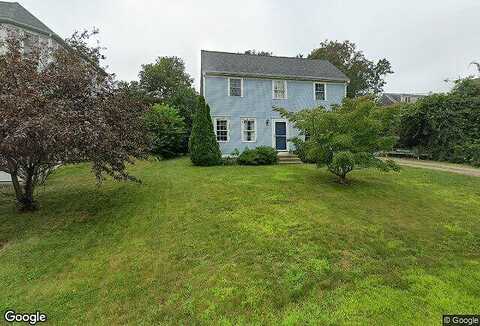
425,41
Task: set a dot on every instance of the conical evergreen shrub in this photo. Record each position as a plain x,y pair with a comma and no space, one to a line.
204,149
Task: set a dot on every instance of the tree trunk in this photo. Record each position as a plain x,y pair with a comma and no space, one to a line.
342,179
24,194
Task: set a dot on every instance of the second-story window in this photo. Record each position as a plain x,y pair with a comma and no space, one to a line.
235,87
320,94
279,89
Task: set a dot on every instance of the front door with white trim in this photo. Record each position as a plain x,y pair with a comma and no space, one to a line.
280,134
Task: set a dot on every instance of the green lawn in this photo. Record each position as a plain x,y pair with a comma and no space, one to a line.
238,245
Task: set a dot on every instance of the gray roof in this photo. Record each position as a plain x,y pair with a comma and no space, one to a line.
14,13
392,98
225,63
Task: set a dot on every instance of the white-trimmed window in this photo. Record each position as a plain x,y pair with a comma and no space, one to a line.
249,129
222,129
279,89
235,86
320,91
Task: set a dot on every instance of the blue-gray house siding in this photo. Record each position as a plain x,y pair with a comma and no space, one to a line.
257,101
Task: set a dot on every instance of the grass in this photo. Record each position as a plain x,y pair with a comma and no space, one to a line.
237,245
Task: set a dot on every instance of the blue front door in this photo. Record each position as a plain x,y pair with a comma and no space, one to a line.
280,135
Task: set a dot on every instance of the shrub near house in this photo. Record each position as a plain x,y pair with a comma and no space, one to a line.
262,155
343,139
167,129
204,149
445,126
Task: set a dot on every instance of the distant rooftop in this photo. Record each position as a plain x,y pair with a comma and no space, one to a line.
392,98
226,63
13,13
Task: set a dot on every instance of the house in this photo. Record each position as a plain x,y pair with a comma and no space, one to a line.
243,90
392,98
16,19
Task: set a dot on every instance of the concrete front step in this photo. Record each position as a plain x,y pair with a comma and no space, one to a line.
290,162
288,158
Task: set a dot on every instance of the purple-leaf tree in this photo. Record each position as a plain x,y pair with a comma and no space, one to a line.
57,106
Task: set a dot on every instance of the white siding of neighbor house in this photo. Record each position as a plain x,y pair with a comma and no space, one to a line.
4,177
4,30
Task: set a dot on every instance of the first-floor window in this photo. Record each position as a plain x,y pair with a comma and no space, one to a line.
249,130
221,129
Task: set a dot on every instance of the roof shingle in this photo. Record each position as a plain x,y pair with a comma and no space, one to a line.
225,63
14,13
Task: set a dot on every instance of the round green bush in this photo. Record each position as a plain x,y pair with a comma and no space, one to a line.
262,155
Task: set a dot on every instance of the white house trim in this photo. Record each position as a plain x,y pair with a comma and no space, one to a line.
314,91
274,145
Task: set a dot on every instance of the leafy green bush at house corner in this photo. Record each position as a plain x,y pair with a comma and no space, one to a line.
301,149
168,131
204,149
262,155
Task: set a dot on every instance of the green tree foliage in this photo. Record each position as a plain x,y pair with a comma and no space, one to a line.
366,76
204,149
389,118
446,126
260,53
57,106
468,87
261,155
185,101
163,78
345,138
168,131
165,81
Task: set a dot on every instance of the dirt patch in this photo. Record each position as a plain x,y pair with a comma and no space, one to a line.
3,243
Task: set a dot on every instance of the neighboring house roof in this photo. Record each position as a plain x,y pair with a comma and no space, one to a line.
392,98
225,63
13,13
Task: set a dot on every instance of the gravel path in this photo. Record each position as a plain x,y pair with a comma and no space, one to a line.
441,166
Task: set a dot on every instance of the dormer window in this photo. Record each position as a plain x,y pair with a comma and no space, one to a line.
235,87
279,89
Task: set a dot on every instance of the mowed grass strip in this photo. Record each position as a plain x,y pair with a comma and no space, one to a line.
241,245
